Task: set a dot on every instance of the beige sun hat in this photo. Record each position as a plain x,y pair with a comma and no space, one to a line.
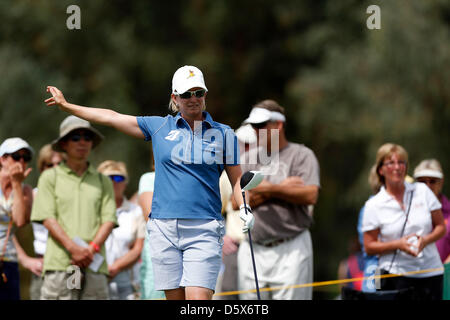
72,123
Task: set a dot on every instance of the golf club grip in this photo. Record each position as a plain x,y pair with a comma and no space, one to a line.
245,204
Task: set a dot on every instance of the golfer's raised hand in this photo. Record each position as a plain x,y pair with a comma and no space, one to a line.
57,97
17,173
247,217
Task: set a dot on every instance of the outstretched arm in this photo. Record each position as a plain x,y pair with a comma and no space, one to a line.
125,123
234,175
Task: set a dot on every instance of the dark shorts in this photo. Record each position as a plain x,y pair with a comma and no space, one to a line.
11,289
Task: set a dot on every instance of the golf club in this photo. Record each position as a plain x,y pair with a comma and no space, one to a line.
250,180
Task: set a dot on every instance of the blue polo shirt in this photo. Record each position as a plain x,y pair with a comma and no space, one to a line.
188,164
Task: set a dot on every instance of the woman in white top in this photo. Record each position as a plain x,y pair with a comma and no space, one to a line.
124,244
15,208
404,247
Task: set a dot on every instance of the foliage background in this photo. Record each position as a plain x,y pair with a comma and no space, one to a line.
346,89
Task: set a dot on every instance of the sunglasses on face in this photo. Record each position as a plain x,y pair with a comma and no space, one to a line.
17,156
391,164
117,178
75,137
259,125
51,165
197,93
430,181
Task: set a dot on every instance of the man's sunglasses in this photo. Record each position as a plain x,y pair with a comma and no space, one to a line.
17,156
197,93
117,178
259,125
428,180
75,137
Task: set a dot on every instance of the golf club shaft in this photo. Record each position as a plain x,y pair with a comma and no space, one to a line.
251,251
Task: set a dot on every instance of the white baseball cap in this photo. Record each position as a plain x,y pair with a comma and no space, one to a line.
246,134
260,115
12,145
429,168
428,173
187,77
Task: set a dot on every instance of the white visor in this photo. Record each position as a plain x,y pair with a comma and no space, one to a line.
260,115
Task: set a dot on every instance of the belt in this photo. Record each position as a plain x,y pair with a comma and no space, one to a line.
272,243
39,255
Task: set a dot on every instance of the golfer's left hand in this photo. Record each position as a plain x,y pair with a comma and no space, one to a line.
247,217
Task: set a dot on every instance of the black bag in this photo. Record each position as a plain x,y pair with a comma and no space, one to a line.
352,294
387,283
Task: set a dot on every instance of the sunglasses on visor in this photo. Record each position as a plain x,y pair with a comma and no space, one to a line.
197,93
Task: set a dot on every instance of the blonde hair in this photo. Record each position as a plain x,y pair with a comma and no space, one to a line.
45,156
111,167
385,151
429,164
374,182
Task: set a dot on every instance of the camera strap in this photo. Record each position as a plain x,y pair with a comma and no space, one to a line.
403,229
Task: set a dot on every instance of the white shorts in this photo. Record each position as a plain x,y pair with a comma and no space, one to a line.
185,252
284,265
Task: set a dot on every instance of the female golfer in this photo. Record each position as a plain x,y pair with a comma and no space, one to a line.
191,150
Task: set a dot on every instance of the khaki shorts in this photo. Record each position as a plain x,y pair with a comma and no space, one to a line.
280,267
57,286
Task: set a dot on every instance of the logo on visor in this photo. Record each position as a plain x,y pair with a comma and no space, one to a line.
191,74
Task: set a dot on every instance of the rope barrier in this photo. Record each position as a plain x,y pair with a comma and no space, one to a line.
328,283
